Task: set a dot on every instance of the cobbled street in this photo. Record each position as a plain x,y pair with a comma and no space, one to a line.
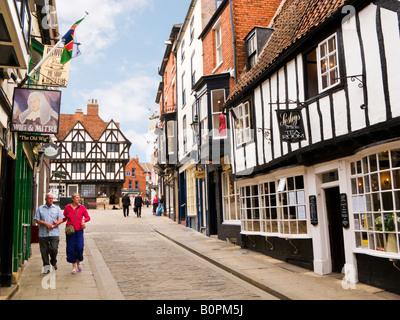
147,266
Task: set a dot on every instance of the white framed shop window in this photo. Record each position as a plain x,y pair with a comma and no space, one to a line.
375,187
275,208
230,199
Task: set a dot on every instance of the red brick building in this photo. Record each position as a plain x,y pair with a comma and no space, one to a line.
137,176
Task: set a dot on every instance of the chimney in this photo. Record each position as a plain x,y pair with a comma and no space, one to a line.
78,112
92,108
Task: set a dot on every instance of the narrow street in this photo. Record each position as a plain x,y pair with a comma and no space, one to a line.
147,266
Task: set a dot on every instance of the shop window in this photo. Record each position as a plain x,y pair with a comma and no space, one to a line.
88,190
230,198
275,208
375,185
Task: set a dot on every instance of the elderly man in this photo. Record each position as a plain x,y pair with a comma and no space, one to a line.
49,217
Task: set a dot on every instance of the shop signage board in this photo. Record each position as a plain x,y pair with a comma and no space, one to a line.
344,210
291,125
313,210
52,72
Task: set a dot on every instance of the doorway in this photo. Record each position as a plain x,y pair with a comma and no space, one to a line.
332,199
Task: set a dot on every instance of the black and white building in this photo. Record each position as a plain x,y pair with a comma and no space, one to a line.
315,144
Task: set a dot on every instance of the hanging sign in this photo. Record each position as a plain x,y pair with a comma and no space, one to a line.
52,72
291,125
36,111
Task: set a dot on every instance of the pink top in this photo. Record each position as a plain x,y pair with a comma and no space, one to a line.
69,214
155,200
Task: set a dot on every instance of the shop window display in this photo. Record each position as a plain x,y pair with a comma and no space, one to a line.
375,187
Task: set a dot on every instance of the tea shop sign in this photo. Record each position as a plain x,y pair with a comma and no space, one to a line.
291,125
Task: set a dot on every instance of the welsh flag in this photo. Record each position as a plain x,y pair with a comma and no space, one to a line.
71,49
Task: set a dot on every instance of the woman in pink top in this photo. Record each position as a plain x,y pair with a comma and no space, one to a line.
155,204
75,242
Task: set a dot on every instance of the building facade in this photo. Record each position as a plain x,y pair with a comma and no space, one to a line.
25,27
92,159
137,178
315,141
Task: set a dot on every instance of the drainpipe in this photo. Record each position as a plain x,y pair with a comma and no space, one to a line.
234,40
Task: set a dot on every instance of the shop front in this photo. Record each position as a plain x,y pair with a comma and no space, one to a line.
341,216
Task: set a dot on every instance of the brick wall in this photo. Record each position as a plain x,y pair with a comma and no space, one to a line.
246,15
140,176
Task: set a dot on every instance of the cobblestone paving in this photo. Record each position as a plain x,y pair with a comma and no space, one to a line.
146,266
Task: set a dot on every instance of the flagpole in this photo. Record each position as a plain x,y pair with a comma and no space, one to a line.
45,58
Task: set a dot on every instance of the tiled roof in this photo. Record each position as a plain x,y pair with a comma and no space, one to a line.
295,19
92,123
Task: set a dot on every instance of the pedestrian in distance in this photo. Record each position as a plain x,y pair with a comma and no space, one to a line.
49,217
76,215
138,203
155,204
126,202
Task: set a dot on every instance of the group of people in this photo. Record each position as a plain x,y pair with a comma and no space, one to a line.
137,205
49,217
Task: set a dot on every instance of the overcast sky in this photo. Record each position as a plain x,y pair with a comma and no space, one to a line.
122,49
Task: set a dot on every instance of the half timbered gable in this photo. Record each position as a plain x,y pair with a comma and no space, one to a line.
93,155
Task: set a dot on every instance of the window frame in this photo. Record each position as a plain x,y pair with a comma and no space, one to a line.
267,208
330,69
375,197
244,118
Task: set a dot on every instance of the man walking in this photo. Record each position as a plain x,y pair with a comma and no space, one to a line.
138,204
126,202
49,217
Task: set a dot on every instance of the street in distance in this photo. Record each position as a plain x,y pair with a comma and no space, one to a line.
218,309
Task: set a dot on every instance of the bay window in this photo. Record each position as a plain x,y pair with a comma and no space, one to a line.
375,185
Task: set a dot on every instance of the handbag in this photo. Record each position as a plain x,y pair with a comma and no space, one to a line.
70,230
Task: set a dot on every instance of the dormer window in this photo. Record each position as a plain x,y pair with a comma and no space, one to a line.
255,42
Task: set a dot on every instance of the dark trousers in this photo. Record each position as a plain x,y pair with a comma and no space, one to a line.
126,210
75,244
139,211
49,247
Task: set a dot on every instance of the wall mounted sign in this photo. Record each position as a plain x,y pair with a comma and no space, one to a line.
344,210
33,138
291,125
313,210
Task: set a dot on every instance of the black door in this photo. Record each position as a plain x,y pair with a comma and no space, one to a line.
182,197
332,197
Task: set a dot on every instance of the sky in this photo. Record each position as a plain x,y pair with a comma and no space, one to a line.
122,47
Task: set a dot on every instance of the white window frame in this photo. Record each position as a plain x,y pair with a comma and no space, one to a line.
171,136
215,115
230,195
218,45
279,212
203,115
243,124
327,56
375,192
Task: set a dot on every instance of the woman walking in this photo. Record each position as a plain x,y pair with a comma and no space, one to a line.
155,204
76,215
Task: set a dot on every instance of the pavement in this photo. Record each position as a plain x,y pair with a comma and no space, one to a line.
95,282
